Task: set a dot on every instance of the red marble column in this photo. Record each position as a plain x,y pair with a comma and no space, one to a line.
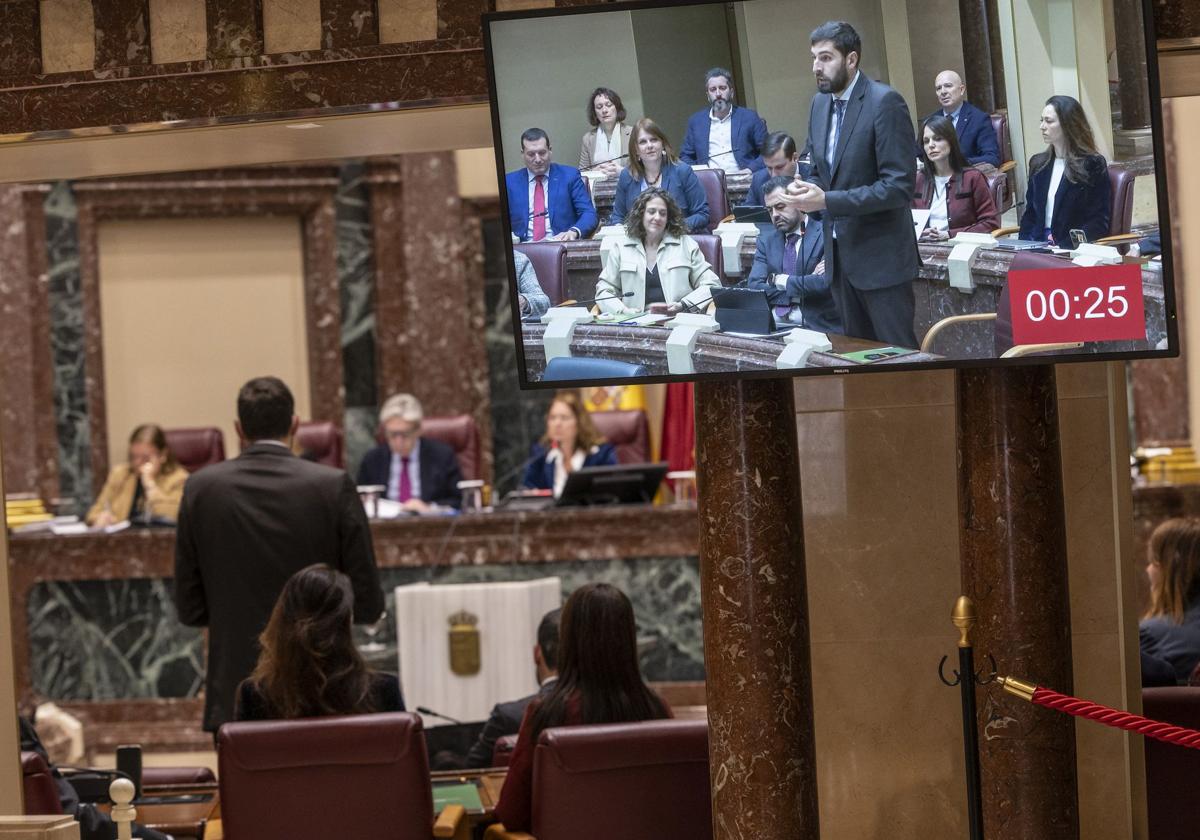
762,759
979,21
1133,87
1013,550
346,24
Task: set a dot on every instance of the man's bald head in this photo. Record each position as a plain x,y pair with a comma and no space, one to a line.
950,90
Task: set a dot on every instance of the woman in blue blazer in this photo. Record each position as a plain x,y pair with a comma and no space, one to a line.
570,443
1068,183
652,163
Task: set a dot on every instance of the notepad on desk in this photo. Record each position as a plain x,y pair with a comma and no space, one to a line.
456,793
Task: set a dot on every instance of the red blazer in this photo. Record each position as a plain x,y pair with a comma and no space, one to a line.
969,201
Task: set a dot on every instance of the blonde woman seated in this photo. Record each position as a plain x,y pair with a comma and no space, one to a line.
656,261
148,486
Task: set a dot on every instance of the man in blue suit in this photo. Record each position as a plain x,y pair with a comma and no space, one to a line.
789,264
547,200
779,158
976,137
724,134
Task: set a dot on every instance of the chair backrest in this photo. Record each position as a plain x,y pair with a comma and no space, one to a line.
1172,771
1120,180
322,441
1003,141
623,780
549,261
712,181
503,750
38,788
581,367
196,447
153,776
710,247
628,431
360,776
460,433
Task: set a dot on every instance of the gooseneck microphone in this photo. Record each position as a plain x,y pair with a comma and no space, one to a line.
595,299
601,163
432,713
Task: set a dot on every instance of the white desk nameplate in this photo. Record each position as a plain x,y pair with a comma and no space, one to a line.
609,236
961,260
685,329
799,345
732,235
1089,254
560,324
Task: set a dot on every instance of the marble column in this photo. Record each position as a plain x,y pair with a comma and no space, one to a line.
235,28
983,62
122,33
1132,87
346,24
1013,550
762,758
20,38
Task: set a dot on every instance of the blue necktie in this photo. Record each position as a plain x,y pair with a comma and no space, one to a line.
790,252
839,111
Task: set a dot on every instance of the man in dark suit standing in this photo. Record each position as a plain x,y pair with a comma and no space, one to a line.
789,264
246,525
976,137
723,134
863,178
547,200
505,718
418,472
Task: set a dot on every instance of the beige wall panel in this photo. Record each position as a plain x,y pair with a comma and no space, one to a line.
407,20
521,5
191,309
291,25
935,36
476,173
68,36
10,742
177,30
1185,121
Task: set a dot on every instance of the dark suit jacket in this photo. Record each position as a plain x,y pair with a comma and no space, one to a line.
505,719
976,136
439,469
806,288
1087,206
680,181
540,472
869,190
567,201
969,203
747,136
246,526
754,195
384,693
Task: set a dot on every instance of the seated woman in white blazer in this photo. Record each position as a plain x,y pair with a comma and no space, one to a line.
655,260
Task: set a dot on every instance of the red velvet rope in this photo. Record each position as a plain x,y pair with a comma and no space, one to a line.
1121,720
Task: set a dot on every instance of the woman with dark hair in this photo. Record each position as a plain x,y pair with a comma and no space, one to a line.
571,442
598,682
1068,183
656,260
308,665
652,163
955,194
605,144
1170,629
149,485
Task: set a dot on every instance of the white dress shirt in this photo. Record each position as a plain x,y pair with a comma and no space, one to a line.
720,143
1056,176
939,207
545,197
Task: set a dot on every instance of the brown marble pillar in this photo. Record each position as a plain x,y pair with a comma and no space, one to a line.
20,38
762,760
1013,550
346,24
983,62
235,28
122,33
1132,88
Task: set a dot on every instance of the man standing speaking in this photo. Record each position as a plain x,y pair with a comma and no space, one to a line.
863,178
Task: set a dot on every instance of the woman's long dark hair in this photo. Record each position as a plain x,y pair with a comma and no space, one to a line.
647,126
1175,547
1077,135
597,663
943,129
635,219
309,665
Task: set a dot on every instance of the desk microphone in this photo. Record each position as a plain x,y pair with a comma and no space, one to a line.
595,300
432,713
601,163
695,307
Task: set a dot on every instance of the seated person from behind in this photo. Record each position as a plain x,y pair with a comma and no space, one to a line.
570,443
957,197
656,260
779,158
976,136
505,718
418,472
652,164
149,485
308,664
598,682
1170,629
1068,183
604,146
530,297
547,199
789,263
1147,246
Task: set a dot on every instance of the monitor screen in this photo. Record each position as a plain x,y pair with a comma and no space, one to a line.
700,190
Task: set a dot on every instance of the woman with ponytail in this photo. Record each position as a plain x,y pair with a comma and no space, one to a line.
308,665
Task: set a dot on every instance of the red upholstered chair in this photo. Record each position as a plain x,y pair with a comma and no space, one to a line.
549,261
158,776
462,435
322,441
1171,771
713,183
1003,189
196,447
622,780
1120,180
360,776
40,792
1003,141
710,246
628,431
503,750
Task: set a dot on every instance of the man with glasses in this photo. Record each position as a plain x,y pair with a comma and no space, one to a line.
418,472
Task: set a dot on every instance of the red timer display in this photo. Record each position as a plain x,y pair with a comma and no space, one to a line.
1101,303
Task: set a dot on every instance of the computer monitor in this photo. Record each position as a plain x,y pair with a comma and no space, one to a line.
619,484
